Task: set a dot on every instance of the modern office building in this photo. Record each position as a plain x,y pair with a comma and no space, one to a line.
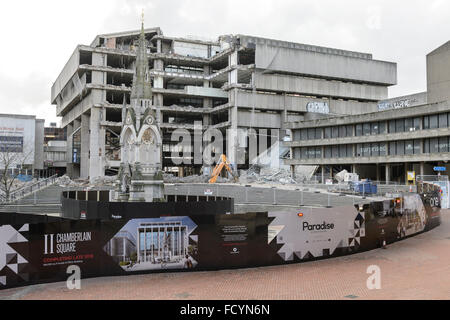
121,247
55,151
165,241
402,134
21,143
234,82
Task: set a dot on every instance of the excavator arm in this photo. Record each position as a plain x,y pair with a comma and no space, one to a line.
223,163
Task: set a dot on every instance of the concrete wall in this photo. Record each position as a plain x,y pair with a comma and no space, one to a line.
97,143
66,74
259,119
320,87
438,74
279,102
85,146
325,65
411,100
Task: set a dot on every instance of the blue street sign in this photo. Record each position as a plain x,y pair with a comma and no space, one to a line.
439,168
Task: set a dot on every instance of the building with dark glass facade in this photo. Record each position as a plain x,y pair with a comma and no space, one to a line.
409,133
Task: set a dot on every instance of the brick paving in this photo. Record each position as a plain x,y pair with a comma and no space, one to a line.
415,268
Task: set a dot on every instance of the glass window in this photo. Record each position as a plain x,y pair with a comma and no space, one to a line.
342,132
375,149
304,153
409,124
416,123
391,126
366,150
434,145
426,146
443,121
375,128
383,149
349,150
392,149
349,131
400,148
443,144
335,132
433,121
426,122
297,153
318,152
311,133
311,152
327,151
359,130
342,150
382,127
297,135
366,129
359,150
416,146
304,134
335,152
409,147
400,125
327,133
318,133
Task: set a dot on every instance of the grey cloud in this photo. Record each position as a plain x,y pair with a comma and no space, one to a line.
398,31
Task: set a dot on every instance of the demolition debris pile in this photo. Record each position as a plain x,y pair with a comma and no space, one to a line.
169,178
262,174
65,181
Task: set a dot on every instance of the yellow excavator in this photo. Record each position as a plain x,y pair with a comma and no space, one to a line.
223,163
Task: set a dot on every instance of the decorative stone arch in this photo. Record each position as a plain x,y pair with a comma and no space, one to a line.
154,130
127,131
128,150
150,152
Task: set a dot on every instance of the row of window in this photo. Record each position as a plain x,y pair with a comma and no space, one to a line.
373,128
403,147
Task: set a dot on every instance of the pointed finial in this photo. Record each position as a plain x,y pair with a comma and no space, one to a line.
142,16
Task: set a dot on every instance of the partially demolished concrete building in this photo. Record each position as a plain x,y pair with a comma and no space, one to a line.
235,82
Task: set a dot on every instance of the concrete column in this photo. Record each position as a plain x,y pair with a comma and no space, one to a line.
323,173
85,145
232,138
353,168
233,74
422,164
158,99
69,160
97,144
387,172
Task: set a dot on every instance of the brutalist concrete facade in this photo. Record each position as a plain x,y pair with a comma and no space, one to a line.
409,133
235,82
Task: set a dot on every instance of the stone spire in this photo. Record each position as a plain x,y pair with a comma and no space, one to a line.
142,89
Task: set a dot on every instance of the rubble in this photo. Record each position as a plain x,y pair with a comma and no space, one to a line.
65,181
262,174
168,178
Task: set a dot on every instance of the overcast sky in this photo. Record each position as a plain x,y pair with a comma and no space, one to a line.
38,37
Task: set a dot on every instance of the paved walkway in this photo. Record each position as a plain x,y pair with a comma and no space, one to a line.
416,268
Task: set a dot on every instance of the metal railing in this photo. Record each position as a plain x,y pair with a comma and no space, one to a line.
27,190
